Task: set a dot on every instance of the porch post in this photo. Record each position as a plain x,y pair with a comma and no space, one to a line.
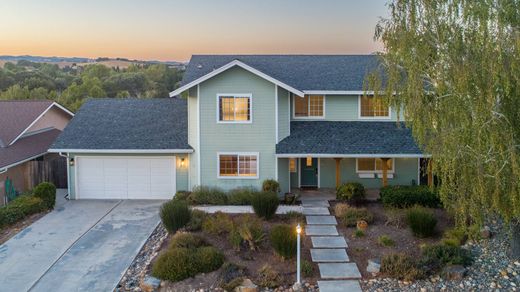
430,173
338,172
384,162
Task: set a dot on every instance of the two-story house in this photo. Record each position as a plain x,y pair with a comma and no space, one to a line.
238,120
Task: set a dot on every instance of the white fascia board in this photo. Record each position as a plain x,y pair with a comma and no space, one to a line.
342,92
303,155
228,66
116,151
63,109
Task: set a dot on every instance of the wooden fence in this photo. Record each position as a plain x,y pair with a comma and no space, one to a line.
54,171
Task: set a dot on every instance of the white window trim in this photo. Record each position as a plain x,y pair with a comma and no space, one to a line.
235,95
308,108
389,117
375,171
257,154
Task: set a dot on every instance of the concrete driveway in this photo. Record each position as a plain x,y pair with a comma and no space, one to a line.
82,245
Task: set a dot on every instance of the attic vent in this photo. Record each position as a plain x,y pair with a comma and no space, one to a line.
199,66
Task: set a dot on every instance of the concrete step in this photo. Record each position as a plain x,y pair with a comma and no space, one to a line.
339,286
315,203
327,255
321,230
321,220
339,271
316,211
328,242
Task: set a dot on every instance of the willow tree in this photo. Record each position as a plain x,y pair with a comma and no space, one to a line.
453,67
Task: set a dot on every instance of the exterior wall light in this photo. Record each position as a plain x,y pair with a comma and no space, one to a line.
183,162
71,162
309,161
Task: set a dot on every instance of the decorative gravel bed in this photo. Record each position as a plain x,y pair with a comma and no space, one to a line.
492,270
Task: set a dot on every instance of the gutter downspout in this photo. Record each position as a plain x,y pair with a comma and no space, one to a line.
68,176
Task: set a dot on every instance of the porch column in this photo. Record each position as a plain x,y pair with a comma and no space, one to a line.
338,172
384,162
430,173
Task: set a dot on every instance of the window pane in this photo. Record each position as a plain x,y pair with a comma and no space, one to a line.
316,106
292,165
373,107
301,106
379,164
242,109
247,165
227,107
366,164
228,165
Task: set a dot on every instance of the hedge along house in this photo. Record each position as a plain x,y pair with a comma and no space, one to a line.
300,119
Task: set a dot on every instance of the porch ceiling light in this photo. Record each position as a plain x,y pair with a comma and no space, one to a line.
182,162
309,161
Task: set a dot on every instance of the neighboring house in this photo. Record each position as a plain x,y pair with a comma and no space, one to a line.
27,129
301,120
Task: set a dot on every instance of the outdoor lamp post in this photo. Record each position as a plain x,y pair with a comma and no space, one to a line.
298,231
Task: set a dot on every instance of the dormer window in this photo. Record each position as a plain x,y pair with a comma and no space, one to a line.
371,107
234,108
309,106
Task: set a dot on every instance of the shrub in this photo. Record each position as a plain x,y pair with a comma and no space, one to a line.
250,230
385,240
186,240
19,208
283,238
240,196
395,217
181,196
340,209
352,191
359,233
208,259
209,196
441,255
47,192
353,215
401,267
175,215
270,185
265,204
268,277
455,237
422,222
407,196
219,223
307,269
197,217
175,264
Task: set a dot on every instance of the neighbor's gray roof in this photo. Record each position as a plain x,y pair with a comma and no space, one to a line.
27,147
363,137
127,124
303,72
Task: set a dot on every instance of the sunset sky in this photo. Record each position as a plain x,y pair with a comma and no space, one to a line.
175,29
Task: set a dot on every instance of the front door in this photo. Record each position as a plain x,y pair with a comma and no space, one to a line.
309,172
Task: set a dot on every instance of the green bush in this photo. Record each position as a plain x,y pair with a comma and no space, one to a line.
352,192
241,196
441,255
271,186
181,196
385,240
47,192
20,208
208,259
359,233
407,196
455,237
202,195
352,215
250,230
175,264
187,240
218,224
400,266
307,269
197,217
422,222
265,204
283,239
175,215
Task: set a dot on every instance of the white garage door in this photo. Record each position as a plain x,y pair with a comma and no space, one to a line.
125,177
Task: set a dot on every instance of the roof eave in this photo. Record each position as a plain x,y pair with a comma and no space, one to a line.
125,151
327,155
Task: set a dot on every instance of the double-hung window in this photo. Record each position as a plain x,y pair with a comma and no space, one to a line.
238,165
373,165
309,106
371,107
234,108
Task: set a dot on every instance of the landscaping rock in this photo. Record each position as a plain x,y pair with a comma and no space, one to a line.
297,287
485,232
374,266
454,272
150,284
247,286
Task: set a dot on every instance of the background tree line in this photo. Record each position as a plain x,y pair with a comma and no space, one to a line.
71,85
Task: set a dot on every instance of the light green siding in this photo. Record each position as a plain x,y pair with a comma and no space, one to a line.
406,170
258,136
283,113
193,135
283,174
181,173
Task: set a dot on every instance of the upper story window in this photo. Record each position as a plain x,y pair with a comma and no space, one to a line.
234,108
309,106
373,165
373,107
238,165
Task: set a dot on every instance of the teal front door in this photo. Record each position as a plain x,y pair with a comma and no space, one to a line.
309,173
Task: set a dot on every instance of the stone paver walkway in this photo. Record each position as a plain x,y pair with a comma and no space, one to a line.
337,273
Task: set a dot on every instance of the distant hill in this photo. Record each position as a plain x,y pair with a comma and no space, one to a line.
80,61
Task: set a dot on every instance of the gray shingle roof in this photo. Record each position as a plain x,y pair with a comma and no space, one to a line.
130,124
303,72
27,147
324,137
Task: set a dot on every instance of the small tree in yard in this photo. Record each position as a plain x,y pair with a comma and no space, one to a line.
453,66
